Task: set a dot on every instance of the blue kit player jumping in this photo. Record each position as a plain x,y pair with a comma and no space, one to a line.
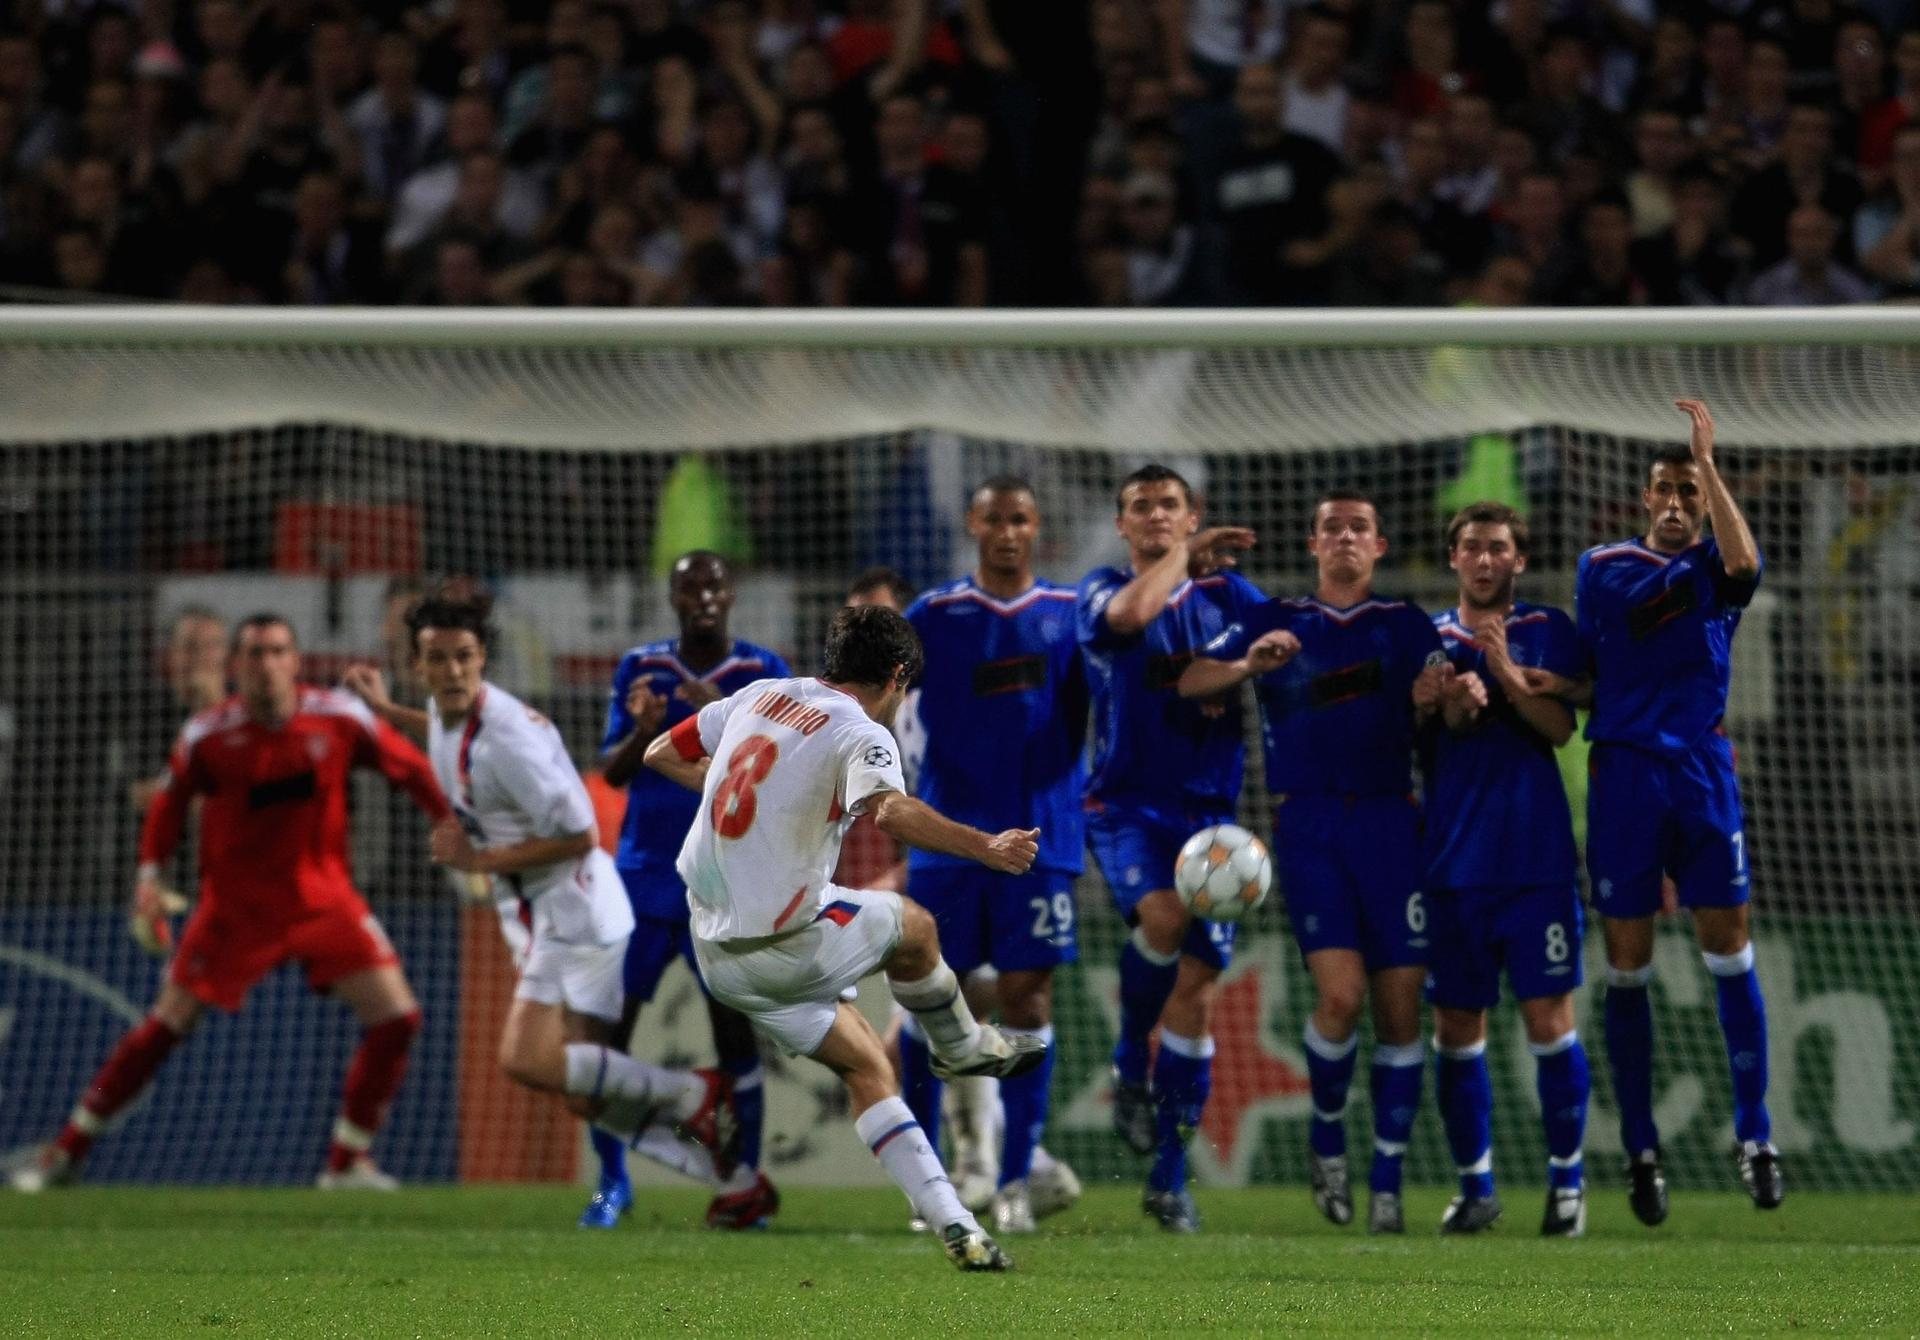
1003,705
1658,614
1502,878
1162,770
1335,676
655,688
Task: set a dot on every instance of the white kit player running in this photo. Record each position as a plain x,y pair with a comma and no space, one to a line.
523,818
798,760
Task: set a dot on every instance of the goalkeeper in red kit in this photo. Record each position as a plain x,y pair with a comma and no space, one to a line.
271,767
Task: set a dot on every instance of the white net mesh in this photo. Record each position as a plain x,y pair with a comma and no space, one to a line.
146,476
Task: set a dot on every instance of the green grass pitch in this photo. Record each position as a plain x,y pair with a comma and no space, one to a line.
507,1261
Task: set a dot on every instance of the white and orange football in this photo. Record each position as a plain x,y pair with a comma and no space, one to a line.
1223,872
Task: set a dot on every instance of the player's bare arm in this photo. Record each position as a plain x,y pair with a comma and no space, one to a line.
1546,715
648,709
370,686
918,824
1140,601
665,758
449,845
1575,693
1205,676
1738,552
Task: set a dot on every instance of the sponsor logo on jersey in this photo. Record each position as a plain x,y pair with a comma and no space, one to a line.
281,791
1163,672
1013,675
1650,616
1346,684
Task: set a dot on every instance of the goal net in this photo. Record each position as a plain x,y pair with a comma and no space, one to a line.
159,464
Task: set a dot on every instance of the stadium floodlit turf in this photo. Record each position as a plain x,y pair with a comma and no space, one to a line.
507,1261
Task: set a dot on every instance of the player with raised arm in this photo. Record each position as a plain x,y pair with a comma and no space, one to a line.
271,768
523,820
655,688
793,761
1003,706
1340,677
1162,769
1657,614
1501,873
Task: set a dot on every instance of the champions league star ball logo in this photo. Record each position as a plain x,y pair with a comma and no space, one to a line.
878,757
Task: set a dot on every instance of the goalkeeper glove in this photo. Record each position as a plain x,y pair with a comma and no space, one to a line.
153,903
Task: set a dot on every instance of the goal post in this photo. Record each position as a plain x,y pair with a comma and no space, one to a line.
155,461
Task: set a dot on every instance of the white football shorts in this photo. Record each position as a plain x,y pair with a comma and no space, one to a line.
791,985
586,979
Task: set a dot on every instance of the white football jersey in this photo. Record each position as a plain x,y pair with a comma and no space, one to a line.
506,772
794,762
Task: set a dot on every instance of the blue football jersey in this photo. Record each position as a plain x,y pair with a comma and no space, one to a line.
1150,745
659,811
1338,718
1497,814
1658,633
1003,704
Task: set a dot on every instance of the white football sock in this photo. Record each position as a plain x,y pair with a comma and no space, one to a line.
633,1091
901,1146
942,1012
973,1108
658,1143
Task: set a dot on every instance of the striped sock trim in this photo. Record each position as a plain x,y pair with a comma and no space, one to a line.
887,1137
1629,977
1197,1049
1563,1165
1729,965
1325,1050
1558,1045
1321,1114
1393,1149
1480,1167
1407,1054
87,1122
600,1077
1466,1053
1149,953
748,1080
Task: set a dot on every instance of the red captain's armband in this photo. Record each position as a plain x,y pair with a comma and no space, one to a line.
686,739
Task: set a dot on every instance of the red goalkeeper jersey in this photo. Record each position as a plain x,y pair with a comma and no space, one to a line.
273,822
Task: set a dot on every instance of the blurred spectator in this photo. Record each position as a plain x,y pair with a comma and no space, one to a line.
1604,275
1271,191
1389,264
1804,173
918,231
1472,177
1809,276
1207,42
459,276
1860,70
1535,230
329,258
1660,146
1560,112
397,121
1886,232
1693,261
1903,108
1164,267
426,196
1313,97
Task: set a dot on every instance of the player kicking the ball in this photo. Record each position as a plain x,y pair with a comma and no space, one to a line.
778,941
522,818
271,767
1657,614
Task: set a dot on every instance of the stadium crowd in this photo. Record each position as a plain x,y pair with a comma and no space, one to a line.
962,152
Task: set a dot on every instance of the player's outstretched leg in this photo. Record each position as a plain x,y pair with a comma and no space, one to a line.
122,1078
1182,1081
1147,975
1743,1025
1463,1088
928,988
373,1078
1629,1036
747,1197
1330,1078
970,1110
613,1194
922,1090
1564,1083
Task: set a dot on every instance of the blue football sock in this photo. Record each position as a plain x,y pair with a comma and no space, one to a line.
1629,1013
1146,980
612,1151
749,1104
918,1084
1024,1100
1743,1023
1182,1079
1330,1073
1464,1091
1396,1101
1564,1083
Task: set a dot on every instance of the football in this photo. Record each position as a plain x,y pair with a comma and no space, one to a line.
1223,872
